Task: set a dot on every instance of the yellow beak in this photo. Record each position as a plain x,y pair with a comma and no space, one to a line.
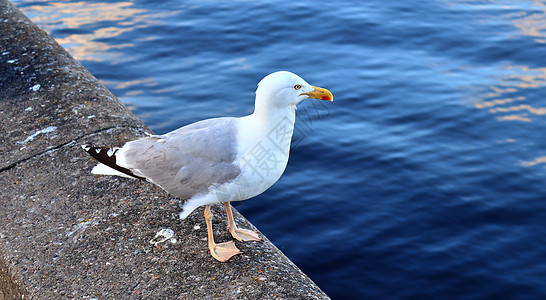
320,93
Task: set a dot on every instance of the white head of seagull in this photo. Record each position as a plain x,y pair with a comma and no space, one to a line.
283,89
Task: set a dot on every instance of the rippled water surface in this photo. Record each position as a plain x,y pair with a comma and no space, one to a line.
424,179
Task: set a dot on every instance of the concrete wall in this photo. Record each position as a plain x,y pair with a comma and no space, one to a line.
67,234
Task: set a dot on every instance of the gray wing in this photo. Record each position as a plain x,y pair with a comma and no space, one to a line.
186,161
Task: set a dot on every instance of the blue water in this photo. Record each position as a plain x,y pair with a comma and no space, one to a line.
425,179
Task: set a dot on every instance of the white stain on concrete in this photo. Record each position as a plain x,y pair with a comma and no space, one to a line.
163,235
36,87
32,136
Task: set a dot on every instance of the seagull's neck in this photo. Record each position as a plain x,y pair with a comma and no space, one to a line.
268,124
269,117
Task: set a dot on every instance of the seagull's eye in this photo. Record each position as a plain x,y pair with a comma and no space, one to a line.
297,87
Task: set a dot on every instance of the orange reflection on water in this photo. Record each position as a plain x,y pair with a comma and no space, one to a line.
84,47
133,85
515,79
522,118
58,16
506,102
496,102
539,160
525,77
80,15
536,111
533,25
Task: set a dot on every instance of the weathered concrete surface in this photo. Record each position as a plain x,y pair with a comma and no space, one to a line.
67,234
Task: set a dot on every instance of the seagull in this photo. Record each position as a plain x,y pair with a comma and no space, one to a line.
218,160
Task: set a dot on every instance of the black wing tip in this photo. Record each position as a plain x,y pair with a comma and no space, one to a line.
96,150
107,156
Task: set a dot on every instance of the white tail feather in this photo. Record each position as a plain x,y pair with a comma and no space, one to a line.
102,169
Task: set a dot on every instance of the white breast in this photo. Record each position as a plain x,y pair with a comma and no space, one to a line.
263,151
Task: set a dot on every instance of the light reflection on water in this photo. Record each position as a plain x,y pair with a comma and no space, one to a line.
507,103
99,21
507,98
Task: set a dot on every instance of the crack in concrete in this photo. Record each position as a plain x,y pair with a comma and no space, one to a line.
56,147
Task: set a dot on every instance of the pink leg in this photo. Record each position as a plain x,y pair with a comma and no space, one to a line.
242,235
223,251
